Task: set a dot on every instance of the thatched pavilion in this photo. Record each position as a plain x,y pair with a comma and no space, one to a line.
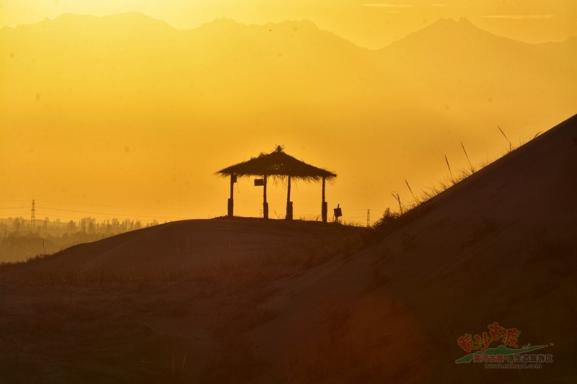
277,164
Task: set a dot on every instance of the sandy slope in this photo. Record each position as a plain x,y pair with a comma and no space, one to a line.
500,246
164,304
248,301
190,248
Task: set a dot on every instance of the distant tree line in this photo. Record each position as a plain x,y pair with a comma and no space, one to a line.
21,238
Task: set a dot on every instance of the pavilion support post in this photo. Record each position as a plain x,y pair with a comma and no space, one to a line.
324,208
231,198
264,200
289,203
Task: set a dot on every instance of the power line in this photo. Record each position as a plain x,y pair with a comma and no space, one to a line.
109,214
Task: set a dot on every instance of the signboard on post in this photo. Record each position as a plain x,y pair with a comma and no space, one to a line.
338,213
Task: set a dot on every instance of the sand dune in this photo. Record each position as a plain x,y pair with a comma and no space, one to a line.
499,246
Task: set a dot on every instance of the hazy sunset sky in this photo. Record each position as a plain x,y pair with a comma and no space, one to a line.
131,116
366,22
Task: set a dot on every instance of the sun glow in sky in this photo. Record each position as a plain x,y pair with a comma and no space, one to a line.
368,23
127,115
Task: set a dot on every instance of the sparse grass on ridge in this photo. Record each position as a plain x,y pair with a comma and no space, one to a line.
391,220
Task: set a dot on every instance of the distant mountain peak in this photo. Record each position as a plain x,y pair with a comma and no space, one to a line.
450,25
450,31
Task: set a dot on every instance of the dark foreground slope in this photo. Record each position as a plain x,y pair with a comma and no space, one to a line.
500,246
160,305
249,301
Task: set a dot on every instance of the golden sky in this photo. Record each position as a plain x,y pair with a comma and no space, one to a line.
126,116
370,23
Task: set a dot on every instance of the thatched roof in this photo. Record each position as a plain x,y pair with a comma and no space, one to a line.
277,163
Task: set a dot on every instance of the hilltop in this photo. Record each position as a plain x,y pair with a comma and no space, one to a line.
193,250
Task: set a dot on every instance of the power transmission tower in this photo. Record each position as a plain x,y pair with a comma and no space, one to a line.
33,213
368,218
